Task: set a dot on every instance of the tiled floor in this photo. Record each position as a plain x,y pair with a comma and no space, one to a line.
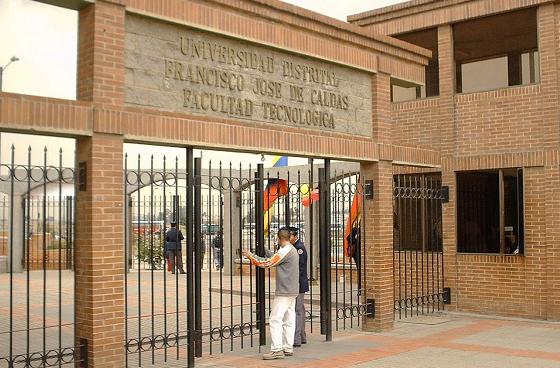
456,341
440,340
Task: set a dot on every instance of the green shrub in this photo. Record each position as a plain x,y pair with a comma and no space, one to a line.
152,256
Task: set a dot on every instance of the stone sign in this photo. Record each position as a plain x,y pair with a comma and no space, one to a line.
180,69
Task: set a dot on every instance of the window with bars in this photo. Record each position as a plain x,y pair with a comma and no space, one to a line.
490,211
417,216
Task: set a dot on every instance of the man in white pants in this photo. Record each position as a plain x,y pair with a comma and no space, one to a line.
282,316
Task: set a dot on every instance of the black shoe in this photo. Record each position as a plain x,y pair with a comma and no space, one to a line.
304,342
182,272
297,345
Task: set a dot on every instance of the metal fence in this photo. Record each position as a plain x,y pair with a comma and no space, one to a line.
36,282
348,250
215,301
222,303
418,270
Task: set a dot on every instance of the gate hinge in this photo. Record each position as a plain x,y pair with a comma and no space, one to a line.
368,189
83,353
446,295
445,194
370,312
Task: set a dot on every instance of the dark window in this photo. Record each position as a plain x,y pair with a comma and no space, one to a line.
490,53
481,197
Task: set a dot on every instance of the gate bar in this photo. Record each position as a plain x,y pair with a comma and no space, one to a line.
198,254
327,186
11,260
311,242
190,255
324,250
259,223
322,239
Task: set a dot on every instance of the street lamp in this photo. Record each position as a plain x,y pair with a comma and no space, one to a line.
2,68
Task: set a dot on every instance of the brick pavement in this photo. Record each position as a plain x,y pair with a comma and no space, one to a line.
446,340
232,306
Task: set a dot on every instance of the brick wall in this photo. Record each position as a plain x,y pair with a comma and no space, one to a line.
505,284
417,123
506,120
101,75
499,121
491,284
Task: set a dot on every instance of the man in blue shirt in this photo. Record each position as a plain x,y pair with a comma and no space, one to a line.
300,336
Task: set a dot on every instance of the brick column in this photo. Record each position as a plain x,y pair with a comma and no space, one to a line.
100,228
101,53
446,89
381,108
448,134
99,254
378,259
378,213
537,201
552,208
449,233
549,54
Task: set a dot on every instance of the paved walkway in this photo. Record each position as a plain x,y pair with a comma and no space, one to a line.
448,340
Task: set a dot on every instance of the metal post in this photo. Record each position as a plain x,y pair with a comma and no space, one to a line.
287,214
190,255
327,201
198,254
259,223
322,241
325,250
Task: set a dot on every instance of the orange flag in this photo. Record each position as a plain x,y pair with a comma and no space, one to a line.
352,221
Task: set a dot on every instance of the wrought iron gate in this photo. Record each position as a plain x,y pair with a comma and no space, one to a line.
348,253
418,270
36,261
222,302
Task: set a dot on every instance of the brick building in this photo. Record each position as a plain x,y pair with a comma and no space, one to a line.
178,72
489,107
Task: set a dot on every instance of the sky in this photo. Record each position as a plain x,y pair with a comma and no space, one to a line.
44,38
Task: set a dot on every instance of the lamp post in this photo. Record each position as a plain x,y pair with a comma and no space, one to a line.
2,68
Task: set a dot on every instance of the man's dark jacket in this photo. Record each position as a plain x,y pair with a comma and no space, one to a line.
303,281
171,241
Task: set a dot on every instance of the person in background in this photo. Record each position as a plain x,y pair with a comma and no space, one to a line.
218,250
202,251
300,336
282,316
173,248
355,251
